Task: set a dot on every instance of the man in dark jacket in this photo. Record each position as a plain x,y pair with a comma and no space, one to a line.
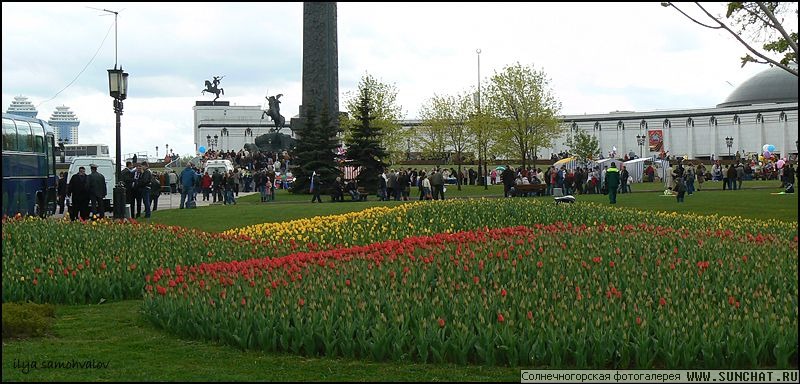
97,191
146,188
789,175
623,181
216,184
612,182
437,184
62,191
78,188
508,180
187,184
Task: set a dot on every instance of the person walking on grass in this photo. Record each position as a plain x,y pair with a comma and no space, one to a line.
315,187
612,182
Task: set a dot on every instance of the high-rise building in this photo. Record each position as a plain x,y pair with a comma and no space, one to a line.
22,107
65,124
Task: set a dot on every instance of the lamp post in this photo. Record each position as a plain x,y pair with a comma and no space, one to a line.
248,132
156,152
408,149
224,132
212,142
485,160
640,141
729,143
118,89
62,148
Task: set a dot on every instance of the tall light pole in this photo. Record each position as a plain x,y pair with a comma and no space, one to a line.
480,116
156,152
118,89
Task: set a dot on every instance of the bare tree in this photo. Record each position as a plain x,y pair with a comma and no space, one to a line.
759,23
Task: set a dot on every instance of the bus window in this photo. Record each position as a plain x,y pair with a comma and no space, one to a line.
91,150
38,137
9,135
24,136
104,149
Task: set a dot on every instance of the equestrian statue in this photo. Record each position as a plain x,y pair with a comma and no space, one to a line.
274,112
213,87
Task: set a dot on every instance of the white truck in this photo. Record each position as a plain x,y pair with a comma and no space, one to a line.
105,166
223,166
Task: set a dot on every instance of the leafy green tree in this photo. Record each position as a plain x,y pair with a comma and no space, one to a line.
483,133
448,117
520,101
431,134
753,23
316,151
583,147
385,113
364,143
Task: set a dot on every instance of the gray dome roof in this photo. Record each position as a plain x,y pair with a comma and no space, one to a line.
773,85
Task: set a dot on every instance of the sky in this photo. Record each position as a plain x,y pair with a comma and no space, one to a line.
599,57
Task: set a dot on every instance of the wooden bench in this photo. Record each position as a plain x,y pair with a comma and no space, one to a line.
526,189
362,195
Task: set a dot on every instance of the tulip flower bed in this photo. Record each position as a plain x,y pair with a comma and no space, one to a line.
562,294
426,218
63,262
49,261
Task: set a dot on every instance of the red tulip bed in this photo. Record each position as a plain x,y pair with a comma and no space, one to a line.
496,282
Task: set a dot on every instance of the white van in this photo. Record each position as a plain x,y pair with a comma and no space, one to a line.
223,166
105,166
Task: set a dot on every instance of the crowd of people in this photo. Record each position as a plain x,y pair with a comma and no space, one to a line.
267,171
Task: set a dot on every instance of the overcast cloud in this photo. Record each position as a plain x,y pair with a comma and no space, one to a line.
600,57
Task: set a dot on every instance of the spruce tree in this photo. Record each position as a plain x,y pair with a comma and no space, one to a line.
363,147
315,151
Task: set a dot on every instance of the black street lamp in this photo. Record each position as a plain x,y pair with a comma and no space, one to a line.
640,140
118,89
729,143
224,132
61,147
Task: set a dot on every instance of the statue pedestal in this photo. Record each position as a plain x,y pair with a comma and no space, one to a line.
206,103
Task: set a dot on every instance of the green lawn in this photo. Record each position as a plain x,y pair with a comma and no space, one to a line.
135,350
754,201
115,333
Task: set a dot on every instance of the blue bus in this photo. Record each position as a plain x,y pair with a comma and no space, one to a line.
29,166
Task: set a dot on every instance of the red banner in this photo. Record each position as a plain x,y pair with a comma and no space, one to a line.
656,138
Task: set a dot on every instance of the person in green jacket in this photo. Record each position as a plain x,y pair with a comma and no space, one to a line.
612,182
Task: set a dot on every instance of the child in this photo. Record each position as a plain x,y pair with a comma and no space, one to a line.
680,187
267,189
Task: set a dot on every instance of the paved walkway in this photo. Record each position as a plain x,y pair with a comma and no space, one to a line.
172,201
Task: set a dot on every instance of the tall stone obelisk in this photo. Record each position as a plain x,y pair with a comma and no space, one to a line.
320,62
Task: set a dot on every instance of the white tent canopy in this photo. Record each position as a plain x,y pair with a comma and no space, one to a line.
663,168
605,163
636,168
570,163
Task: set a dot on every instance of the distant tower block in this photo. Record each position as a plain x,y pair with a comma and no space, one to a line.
22,107
320,62
65,124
